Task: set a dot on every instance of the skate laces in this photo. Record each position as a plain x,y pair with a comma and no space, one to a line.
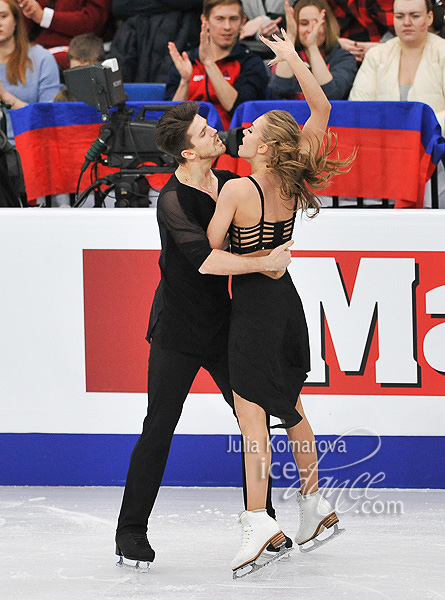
246,529
299,497
140,538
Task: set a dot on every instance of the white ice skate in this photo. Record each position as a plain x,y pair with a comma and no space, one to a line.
316,516
259,530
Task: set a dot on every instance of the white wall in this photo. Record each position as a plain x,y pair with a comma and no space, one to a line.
42,362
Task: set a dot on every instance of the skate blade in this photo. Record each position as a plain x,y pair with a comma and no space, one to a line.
137,566
317,542
263,560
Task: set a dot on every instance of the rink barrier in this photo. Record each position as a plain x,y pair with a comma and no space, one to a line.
77,286
205,460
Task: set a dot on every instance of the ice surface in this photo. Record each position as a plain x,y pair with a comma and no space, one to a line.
58,543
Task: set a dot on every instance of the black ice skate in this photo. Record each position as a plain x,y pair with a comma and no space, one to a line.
270,549
134,551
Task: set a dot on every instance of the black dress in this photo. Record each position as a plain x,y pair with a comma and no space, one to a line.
268,340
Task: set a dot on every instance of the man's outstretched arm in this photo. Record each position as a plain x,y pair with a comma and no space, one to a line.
220,262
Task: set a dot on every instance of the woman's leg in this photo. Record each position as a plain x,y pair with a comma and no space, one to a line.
316,513
257,451
304,450
259,531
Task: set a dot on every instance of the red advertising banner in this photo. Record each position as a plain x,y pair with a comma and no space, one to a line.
376,321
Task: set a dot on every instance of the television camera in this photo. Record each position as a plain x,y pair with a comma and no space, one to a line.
124,143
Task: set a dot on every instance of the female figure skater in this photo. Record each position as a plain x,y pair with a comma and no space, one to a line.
268,346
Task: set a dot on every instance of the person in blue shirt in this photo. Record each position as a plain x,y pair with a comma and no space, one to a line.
28,73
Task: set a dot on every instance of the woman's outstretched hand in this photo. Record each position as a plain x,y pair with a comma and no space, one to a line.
284,49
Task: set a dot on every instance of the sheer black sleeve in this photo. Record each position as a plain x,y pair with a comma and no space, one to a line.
182,225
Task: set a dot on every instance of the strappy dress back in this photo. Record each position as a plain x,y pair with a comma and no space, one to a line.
263,236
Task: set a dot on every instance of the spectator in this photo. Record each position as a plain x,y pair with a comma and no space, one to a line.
411,66
28,72
140,44
85,49
220,70
363,24
54,25
313,29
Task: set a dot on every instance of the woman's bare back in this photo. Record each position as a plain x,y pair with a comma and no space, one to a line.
248,211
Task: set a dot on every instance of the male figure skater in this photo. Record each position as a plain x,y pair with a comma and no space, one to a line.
190,314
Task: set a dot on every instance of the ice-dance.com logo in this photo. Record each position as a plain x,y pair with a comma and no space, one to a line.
356,494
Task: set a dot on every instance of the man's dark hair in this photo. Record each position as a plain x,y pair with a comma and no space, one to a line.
210,4
86,48
171,129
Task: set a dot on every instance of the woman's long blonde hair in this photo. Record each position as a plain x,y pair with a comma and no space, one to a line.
18,60
301,172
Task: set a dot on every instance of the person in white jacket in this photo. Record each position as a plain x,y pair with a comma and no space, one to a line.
411,66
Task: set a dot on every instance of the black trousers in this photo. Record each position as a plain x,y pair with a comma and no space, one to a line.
170,377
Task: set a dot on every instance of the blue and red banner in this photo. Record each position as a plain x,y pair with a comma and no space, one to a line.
398,146
52,139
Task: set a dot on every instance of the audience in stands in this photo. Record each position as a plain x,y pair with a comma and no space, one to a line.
85,49
140,44
410,66
220,70
28,72
363,24
53,24
313,28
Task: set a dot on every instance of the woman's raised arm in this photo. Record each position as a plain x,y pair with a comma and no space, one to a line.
315,127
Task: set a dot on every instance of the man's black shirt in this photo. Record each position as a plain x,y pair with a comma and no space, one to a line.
195,308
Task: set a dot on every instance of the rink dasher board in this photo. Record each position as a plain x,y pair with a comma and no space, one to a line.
45,396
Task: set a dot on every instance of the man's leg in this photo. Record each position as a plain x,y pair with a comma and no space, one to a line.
170,376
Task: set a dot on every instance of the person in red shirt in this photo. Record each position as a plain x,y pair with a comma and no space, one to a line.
221,70
53,23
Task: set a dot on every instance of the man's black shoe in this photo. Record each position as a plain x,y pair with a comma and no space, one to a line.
271,548
134,546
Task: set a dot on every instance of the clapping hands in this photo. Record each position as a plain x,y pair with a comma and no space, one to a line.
311,39
260,25
291,24
181,62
